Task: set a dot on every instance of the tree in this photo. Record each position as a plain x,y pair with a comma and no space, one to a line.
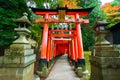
69,3
112,11
36,33
88,38
87,31
9,10
117,0
52,3
56,3
95,12
114,3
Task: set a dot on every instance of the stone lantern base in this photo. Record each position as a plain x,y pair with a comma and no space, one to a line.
17,73
105,63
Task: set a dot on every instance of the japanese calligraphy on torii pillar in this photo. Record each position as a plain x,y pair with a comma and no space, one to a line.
61,15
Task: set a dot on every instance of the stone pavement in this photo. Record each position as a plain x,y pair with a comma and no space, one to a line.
62,70
36,77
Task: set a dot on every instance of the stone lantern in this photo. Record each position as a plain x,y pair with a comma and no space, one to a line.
104,60
100,32
22,30
18,61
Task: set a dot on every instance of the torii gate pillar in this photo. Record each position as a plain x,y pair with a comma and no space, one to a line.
43,55
81,60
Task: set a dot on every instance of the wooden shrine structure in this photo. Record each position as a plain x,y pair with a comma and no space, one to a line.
59,41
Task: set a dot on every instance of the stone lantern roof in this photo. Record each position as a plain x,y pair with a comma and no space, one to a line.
100,23
23,20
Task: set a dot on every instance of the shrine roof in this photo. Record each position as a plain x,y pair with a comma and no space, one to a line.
62,8
115,27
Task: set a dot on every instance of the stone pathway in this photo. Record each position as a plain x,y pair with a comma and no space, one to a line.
36,77
62,70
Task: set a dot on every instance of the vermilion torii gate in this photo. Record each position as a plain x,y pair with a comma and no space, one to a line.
57,41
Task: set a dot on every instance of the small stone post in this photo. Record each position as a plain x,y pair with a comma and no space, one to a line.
18,61
104,60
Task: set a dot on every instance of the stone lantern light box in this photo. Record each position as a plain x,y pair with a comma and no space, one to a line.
100,32
100,25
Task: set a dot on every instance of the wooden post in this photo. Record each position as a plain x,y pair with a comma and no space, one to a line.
73,50
43,61
76,49
76,52
51,47
48,50
81,59
54,49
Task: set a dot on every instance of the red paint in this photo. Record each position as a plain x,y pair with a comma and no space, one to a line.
79,38
61,46
69,53
54,47
76,48
80,13
44,40
48,50
56,13
73,51
51,50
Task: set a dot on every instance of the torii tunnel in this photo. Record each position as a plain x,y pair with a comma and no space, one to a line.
59,41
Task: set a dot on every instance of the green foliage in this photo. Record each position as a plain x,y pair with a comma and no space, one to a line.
117,0
44,71
39,3
52,3
95,12
87,32
60,2
37,28
87,54
112,11
36,32
89,3
115,3
88,38
6,26
9,10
